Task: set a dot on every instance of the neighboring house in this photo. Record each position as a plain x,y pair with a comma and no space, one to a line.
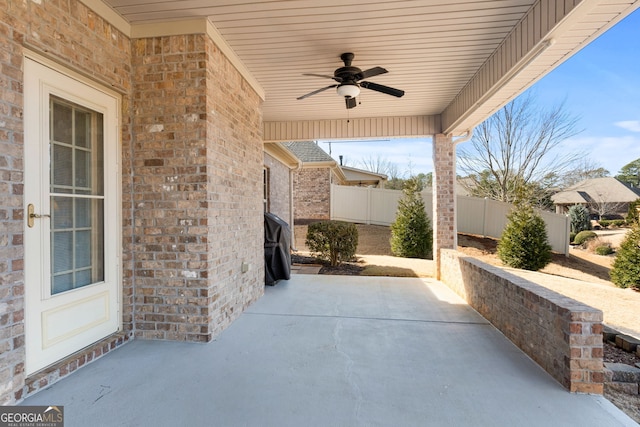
278,179
312,181
602,196
362,178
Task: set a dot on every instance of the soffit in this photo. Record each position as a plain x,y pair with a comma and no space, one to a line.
432,49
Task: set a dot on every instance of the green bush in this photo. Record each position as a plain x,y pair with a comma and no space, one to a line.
332,241
625,272
572,237
604,223
411,233
583,237
617,223
579,218
603,250
632,213
524,240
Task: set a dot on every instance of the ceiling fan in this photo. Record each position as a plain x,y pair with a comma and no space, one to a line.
349,80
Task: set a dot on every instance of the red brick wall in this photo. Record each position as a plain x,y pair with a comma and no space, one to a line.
312,194
71,34
561,335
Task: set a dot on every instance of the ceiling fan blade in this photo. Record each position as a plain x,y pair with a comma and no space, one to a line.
381,88
324,76
375,71
316,91
351,102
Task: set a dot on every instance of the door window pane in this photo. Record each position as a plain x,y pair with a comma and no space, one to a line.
60,123
62,252
77,199
63,172
62,217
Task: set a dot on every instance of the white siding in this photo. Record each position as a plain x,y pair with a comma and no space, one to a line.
380,127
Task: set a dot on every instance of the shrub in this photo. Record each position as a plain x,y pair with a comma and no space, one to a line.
625,272
411,233
572,237
632,213
332,241
579,218
603,250
584,236
617,223
604,223
524,240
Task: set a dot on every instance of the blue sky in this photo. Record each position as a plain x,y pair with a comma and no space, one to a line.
600,85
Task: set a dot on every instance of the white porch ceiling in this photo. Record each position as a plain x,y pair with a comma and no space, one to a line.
433,49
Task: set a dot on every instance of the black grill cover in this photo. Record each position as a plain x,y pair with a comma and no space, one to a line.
277,256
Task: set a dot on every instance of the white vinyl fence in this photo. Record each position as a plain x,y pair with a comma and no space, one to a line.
482,217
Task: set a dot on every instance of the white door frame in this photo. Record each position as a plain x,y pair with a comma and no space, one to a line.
59,325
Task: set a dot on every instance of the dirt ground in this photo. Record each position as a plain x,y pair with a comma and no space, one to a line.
582,275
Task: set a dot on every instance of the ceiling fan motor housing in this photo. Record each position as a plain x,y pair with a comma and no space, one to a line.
347,74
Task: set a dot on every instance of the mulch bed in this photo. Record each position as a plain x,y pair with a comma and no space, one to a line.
618,355
344,269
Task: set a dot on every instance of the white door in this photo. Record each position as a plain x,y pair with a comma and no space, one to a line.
72,242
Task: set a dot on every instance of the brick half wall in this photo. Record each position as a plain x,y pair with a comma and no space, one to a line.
561,335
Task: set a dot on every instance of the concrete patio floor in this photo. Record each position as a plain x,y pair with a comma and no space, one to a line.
331,351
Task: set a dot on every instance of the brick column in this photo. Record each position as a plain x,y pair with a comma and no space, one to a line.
444,197
197,190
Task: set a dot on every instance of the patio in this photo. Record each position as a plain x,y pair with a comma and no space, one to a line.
331,350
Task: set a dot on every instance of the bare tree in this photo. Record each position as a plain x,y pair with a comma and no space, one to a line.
600,205
513,153
379,165
584,169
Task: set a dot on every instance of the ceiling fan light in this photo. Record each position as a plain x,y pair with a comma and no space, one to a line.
348,90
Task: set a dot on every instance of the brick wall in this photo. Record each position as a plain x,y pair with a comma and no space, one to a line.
235,162
279,188
561,335
312,194
197,190
191,183
71,34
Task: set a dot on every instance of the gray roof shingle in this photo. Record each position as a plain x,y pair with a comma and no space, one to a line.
606,189
308,151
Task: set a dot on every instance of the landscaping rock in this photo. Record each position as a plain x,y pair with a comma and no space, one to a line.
621,372
627,388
